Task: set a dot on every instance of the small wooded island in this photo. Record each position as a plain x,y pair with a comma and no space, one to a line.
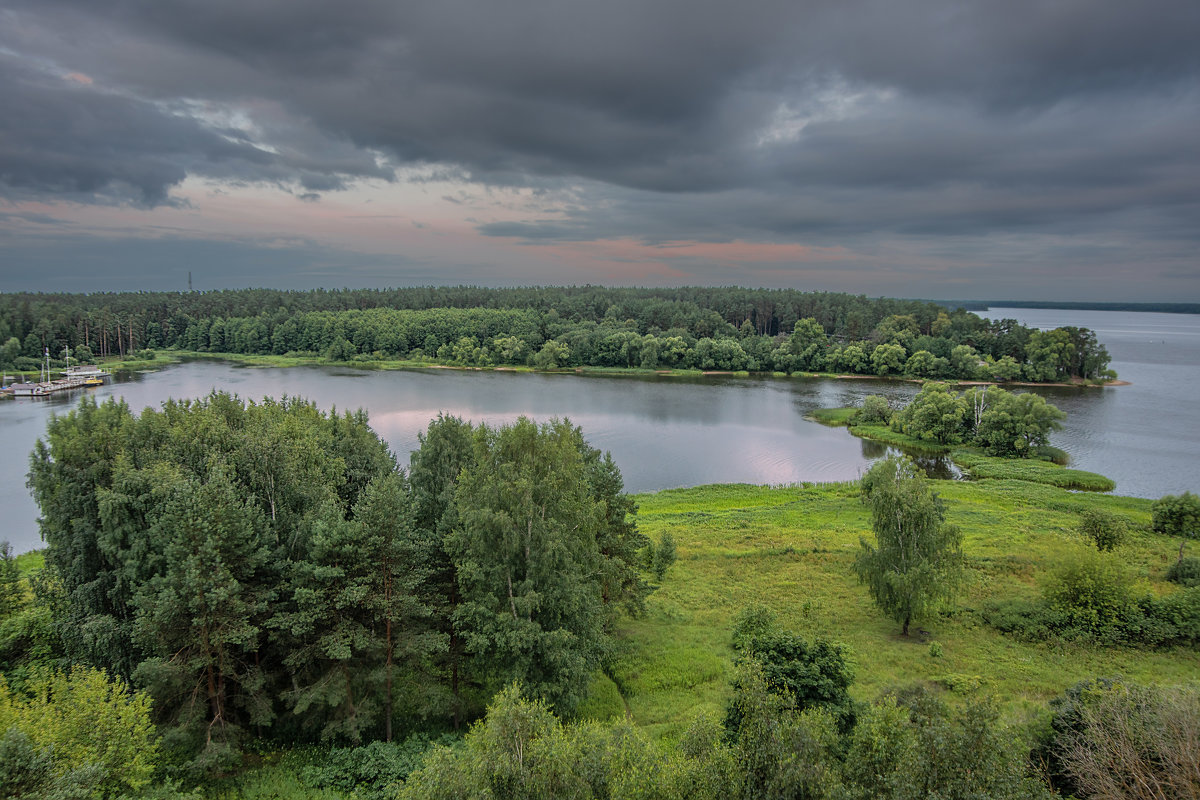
987,431
247,600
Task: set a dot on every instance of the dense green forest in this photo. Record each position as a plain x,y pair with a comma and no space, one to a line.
692,328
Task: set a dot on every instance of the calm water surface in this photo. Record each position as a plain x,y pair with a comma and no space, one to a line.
1146,436
668,432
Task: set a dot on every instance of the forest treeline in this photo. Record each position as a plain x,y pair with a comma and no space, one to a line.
266,570
689,328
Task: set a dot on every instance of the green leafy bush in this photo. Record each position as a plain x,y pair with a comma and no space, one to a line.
873,411
1105,530
96,734
806,674
1185,572
1092,590
373,772
751,622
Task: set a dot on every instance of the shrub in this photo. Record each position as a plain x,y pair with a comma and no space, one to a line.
1177,516
1177,616
374,771
1185,572
874,411
1092,590
96,733
751,622
1133,742
1105,530
1028,620
805,674
664,556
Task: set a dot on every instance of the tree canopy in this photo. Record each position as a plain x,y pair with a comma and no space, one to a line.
546,327
266,566
915,562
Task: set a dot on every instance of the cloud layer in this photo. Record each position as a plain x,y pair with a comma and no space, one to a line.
908,136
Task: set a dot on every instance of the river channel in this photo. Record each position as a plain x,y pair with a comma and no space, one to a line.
667,432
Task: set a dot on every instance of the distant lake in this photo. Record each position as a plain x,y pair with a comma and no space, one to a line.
1146,436
666,432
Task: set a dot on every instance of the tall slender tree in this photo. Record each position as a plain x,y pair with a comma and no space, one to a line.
916,559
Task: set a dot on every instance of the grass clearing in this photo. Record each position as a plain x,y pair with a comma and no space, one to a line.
792,549
983,467
834,417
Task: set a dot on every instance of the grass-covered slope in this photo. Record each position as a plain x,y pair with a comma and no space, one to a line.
791,549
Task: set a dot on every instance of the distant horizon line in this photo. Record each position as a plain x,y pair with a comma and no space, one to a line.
1170,307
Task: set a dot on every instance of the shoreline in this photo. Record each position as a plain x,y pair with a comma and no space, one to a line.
168,357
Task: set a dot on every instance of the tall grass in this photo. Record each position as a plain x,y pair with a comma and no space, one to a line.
791,549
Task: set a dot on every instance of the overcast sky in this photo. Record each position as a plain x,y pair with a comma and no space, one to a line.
1009,149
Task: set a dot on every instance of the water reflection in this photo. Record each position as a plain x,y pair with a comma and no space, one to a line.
669,431
872,449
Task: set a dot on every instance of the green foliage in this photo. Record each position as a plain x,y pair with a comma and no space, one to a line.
12,591
82,730
805,674
936,413
1105,530
780,752
690,327
916,747
983,467
1185,572
552,355
1091,589
375,771
1017,424
175,535
603,701
750,623
835,417
528,561
874,410
519,750
1001,423
664,556
25,771
914,565
887,359
1177,515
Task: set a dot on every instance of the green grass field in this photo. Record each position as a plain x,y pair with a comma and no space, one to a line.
792,550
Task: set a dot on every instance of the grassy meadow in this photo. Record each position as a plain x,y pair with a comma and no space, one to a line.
791,549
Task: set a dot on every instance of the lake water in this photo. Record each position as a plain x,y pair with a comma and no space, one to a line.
666,432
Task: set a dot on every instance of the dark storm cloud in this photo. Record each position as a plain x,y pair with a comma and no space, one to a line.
84,262
63,136
684,118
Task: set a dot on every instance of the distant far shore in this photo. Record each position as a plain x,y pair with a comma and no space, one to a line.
167,357
1160,308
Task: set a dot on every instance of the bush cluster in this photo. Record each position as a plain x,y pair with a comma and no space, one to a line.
375,771
1000,422
1185,572
1091,598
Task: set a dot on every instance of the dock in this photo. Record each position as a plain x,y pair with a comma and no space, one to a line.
78,377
